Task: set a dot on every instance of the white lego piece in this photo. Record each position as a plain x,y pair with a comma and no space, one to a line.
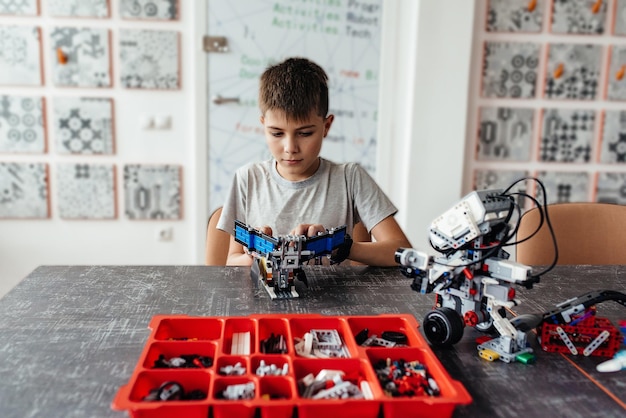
233,370
308,344
617,363
380,342
245,349
328,374
234,346
505,348
271,370
568,343
416,259
366,390
596,343
239,392
369,341
304,346
308,379
343,390
262,369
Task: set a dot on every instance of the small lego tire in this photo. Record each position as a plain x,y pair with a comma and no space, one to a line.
488,326
443,327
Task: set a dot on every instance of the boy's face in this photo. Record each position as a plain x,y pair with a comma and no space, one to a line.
295,145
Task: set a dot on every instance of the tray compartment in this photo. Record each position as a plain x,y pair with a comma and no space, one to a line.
301,326
149,380
225,408
278,388
451,392
170,349
269,331
281,391
355,371
189,329
377,325
270,359
239,336
232,361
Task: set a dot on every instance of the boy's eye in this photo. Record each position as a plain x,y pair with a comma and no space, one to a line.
305,133
277,134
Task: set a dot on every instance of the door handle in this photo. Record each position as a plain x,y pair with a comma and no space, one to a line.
219,100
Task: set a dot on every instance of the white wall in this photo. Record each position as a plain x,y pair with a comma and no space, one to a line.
423,105
25,244
423,110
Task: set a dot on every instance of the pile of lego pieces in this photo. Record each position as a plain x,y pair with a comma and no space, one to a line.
274,344
184,361
405,378
321,343
329,384
238,392
265,369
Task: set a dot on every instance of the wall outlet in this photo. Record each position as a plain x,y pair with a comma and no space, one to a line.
164,233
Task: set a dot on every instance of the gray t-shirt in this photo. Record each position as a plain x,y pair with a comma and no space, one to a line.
336,195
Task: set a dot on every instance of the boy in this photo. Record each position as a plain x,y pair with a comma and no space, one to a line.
297,192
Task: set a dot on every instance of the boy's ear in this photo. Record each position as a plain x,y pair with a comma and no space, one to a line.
327,124
262,119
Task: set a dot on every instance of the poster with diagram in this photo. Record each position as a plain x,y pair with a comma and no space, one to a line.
343,37
24,190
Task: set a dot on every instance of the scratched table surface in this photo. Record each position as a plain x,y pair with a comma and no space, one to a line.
70,336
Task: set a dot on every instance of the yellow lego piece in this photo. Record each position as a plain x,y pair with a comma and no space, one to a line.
488,354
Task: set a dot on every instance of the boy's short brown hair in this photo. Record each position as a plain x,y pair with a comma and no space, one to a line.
296,86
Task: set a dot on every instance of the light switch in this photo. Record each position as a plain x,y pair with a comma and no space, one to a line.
146,122
162,122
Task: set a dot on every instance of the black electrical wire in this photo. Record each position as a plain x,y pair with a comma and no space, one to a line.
513,208
543,212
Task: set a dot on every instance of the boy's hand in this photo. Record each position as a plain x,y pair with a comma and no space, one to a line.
267,230
308,230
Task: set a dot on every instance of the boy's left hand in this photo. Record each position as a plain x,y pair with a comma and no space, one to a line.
308,230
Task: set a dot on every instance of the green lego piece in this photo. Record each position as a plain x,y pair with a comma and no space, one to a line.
526,358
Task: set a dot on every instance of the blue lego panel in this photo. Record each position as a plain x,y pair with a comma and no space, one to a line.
324,244
254,240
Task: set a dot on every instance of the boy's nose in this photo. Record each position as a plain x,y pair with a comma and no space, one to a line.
290,144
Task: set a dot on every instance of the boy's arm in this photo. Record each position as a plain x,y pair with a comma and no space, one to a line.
237,255
389,237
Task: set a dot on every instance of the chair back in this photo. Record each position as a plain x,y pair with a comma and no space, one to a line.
586,233
217,242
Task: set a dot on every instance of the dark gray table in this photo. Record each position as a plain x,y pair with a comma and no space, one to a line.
71,336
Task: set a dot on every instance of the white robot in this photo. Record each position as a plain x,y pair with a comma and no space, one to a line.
472,278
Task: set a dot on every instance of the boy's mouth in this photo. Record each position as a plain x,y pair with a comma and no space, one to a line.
291,162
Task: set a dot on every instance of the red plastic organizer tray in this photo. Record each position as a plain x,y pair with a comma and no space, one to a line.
173,336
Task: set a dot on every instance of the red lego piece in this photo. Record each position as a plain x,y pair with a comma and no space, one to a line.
581,335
